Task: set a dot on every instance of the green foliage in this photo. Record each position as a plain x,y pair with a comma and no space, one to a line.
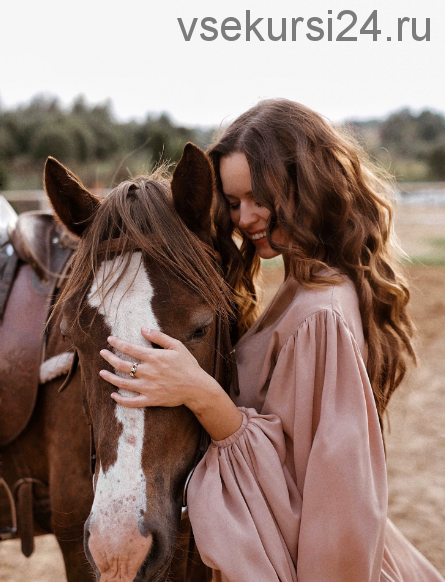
90,139
410,145
8,145
413,134
66,140
436,162
51,140
3,177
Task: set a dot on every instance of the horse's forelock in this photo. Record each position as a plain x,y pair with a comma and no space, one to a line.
139,214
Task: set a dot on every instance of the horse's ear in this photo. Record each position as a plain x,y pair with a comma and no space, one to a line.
72,202
192,189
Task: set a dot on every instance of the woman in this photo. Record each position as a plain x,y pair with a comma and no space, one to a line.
293,485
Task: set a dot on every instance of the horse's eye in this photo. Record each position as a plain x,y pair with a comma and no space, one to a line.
200,332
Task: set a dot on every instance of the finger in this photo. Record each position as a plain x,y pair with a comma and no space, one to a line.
132,350
162,339
125,383
140,401
117,363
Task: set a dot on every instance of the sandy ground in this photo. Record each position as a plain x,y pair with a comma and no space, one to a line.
416,443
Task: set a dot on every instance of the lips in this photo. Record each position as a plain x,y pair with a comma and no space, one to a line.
258,235
258,238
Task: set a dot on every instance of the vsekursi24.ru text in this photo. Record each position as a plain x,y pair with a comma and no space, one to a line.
348,28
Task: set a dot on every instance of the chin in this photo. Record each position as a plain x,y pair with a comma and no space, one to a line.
267,253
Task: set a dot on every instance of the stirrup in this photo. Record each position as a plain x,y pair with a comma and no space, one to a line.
9,533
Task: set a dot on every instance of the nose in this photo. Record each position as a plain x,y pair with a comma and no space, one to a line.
247,214
119,555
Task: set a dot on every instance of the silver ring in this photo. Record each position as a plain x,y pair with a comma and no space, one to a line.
134,367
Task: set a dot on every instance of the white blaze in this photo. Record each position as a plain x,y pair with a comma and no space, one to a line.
120,499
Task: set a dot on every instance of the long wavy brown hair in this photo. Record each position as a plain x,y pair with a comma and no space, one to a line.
336,209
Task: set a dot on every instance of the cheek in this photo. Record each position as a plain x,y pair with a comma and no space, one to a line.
264,213
234,216
280,237
204,354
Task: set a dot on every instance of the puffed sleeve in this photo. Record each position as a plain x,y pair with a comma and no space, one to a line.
299,491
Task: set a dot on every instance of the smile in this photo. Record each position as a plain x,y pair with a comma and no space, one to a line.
258,236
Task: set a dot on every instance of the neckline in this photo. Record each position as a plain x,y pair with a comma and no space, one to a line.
252,332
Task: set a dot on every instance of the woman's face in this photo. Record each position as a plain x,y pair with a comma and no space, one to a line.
246,214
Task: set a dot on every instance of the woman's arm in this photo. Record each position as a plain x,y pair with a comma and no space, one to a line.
171,377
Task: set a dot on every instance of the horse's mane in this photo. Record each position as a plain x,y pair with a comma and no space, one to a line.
139,215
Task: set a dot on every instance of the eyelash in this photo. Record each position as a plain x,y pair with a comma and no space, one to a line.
236,206
200,332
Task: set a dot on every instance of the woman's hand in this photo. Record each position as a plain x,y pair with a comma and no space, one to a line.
168,377
171,377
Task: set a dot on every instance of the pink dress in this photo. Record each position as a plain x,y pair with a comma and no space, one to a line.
299,492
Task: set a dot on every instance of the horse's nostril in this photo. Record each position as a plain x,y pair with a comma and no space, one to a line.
154,549
86,530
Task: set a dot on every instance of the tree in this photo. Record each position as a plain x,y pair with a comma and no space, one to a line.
3,177
436,162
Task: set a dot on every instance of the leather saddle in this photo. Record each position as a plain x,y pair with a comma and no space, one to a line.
31,262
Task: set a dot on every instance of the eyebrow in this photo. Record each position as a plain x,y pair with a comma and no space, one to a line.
248,193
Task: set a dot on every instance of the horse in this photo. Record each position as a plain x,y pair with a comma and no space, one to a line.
144,459
145,257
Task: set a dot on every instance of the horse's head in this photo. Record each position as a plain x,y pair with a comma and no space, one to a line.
143,259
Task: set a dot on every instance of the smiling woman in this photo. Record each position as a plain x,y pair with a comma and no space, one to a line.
245,212
300,488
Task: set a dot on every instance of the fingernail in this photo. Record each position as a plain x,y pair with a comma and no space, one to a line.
146,330
102,352
110,338
101,373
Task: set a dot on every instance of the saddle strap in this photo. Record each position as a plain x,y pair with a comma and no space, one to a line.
25,518
8,267
8,532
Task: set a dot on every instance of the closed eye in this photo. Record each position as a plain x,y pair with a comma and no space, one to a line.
200,332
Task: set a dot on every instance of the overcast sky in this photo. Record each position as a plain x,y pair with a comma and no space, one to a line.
133,52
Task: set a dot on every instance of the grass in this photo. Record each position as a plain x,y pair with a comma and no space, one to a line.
439,243
274,263
434,258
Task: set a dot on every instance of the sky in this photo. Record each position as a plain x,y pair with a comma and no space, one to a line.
135,53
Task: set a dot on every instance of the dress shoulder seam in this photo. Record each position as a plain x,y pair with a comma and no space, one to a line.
319,312
325,310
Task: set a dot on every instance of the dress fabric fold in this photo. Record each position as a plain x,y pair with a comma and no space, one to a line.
299,492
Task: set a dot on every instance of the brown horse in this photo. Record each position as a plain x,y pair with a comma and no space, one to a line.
144,258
